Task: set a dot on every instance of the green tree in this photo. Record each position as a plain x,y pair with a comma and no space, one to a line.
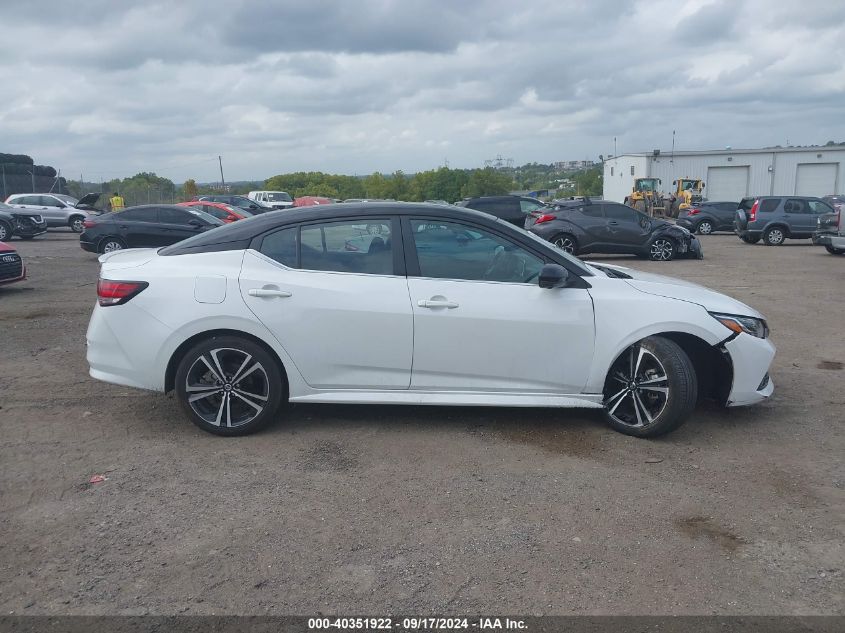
190,189
487,182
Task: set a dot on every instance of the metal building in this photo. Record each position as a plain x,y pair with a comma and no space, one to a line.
731,174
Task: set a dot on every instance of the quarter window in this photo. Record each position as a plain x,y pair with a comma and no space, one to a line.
357,246
448,250
768,205
173,216
817,206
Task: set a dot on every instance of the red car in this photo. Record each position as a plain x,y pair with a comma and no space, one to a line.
219,210
307,201
11,265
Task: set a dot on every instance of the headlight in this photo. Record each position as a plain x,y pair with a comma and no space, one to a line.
749,325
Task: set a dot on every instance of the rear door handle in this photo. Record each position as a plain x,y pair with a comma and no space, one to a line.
428,303
268,292
613,223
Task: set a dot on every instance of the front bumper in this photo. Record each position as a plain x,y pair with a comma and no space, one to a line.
833,240
28,226
751,358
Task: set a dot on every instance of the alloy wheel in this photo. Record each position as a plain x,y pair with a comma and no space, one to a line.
565,243
78,225
705,228
112,245
4,233
227,387
775,236
640,386
662,249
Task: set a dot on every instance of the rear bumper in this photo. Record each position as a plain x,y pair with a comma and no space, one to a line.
751,358
91,247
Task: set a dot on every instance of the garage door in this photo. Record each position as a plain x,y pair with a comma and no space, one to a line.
728,184
816,179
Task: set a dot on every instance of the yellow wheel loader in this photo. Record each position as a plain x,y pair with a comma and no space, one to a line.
645,196
687,192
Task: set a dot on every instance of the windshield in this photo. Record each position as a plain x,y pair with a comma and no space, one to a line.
278,196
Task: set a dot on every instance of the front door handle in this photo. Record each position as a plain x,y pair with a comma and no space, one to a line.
429,303
268,292
613,223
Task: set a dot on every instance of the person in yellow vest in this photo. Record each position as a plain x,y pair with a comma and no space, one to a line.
117,202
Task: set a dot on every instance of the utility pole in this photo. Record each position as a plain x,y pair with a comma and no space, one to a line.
614,146
222,180
32,173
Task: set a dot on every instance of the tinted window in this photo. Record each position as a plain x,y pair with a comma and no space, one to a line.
217,212
817,206
167,215
795,206
591,210
147,214
49,201
356,246
619,212
448,250
746,203
768,205
281,246
33,200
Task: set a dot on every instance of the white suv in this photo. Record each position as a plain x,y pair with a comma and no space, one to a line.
56,208
275,199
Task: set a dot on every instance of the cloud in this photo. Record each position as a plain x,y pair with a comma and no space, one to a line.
113,88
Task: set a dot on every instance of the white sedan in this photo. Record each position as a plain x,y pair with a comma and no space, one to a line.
440,306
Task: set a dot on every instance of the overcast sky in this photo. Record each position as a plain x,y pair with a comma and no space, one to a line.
108,88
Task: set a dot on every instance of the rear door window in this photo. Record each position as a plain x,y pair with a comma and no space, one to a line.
619,212
281,246
137,215
796,206
352,246
173,216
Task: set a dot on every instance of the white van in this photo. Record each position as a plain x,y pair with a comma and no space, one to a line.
276,199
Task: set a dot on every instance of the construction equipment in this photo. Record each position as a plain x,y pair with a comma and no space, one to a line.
687,192
645,196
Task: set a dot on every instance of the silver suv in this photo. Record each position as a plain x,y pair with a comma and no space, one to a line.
57,209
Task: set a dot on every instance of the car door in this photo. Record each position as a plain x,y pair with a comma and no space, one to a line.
137,227
52,210
627,229
176,225
336,298
482,322
725,213
801,220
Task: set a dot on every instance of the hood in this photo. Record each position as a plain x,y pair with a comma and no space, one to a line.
127,258
672,288
88,200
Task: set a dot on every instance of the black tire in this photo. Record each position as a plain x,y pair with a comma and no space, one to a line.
566,242
75,222
750,239
639,205
662,249
661,395
5,231
705,227
774,236
110,244
230,407
834,251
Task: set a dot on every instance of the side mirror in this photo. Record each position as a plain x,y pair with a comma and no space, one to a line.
553,276
231,218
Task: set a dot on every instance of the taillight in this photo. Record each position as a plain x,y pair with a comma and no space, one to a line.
89,224
694,211
546,217
115,293
752,213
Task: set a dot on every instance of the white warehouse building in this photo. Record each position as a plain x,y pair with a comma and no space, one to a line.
732,174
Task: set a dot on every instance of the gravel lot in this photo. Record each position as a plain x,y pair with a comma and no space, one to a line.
376,510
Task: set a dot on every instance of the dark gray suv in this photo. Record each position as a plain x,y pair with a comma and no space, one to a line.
776,218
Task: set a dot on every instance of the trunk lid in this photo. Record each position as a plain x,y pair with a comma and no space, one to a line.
127,258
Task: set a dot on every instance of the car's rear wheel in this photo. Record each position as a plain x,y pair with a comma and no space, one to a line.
566,242
77,223
651,388
750,239
109,244
774,236
5,231
705,227
229,385
834,251
662,249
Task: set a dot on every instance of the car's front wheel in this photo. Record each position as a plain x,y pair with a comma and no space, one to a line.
77,224
662,249
5,231
229,385
650,389
705,227
566,242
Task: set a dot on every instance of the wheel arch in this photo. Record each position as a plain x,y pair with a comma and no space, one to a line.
179,353
73,216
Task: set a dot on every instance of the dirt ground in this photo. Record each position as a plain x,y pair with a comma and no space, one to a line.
377,510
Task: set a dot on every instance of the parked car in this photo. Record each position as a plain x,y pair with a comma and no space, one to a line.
242,202
512,209
223,212
17,222
309,201
778,218
11,265
145,226
275,199
830,231
57,209
609,227
241,318
707,217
